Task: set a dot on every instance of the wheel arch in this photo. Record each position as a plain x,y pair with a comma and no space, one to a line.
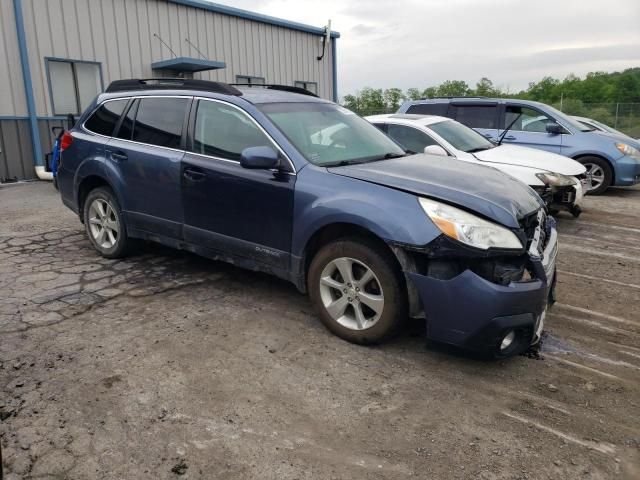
601,157
86,185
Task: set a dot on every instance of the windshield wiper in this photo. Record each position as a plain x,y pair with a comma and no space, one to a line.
508,128
396,155
478,149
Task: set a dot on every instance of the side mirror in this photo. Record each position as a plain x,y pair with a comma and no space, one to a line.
554,128
435,150
259,158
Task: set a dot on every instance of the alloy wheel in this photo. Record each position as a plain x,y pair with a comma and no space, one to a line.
595,173
351,293
103,223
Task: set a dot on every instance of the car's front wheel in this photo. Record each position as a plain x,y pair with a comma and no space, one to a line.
358,290
599,172
104,224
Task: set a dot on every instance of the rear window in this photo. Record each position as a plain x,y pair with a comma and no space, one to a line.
104,119
159,121
429,109
477,116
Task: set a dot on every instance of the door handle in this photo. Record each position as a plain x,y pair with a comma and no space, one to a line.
193,175
509,137
118,156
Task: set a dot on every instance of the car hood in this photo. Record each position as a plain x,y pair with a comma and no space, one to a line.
619,138
532,158
481,189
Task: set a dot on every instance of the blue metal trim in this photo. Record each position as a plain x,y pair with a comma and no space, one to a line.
335,69
28,85
187,64
13,117
256,17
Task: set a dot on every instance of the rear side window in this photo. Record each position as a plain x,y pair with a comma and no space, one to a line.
224,131
159,121
104,119
477,116
429,109
410,138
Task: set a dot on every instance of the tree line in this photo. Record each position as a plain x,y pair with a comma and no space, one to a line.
573,92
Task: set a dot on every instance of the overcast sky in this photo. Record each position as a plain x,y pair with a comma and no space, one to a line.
418,43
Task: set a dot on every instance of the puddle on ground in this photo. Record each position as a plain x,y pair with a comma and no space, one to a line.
548,344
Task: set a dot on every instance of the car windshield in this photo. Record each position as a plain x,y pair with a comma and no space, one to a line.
327,134
566,119
461,137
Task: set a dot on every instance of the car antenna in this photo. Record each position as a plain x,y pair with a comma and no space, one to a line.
509,128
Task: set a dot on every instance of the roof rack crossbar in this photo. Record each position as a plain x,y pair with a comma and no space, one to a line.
275,86
171,84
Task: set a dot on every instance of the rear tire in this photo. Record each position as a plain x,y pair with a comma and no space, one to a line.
104,224
358,290
600,172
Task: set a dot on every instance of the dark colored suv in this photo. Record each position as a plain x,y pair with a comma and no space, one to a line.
279,181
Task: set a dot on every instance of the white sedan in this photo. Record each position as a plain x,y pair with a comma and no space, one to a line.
559,180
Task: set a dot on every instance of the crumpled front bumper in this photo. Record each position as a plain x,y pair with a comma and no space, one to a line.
472,312
569,197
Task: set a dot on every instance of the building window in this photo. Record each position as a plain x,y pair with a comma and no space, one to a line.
248,80
309,86
73,84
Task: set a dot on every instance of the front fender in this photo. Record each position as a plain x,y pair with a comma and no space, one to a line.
323,198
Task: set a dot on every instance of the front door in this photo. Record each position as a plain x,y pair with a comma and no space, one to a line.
530,129
145,160
227,208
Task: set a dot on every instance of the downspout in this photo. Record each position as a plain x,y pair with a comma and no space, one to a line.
335,71
28,90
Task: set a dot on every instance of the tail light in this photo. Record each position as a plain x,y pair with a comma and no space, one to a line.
65,141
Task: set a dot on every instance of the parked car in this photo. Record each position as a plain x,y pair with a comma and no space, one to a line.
553,177
374,235
610,159
599,126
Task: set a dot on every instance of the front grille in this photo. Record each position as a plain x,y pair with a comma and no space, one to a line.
537,230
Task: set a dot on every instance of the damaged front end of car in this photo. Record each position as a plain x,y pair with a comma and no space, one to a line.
563,193
492,300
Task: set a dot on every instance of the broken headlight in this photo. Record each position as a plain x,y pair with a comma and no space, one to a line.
555,179
468,228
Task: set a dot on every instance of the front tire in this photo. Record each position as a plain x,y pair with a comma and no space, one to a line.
600,173
104,224
358,290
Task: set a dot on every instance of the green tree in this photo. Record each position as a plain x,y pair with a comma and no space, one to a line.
414,94
485,88
393,97
453,88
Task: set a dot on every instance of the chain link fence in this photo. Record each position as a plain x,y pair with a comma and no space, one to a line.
624,117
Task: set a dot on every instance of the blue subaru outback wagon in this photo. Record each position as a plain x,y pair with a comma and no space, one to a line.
275,179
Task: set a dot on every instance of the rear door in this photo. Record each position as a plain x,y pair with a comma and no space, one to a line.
144,159
530,128
482,117
228,208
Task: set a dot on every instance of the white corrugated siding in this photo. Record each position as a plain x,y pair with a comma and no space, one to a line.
119,34
12,98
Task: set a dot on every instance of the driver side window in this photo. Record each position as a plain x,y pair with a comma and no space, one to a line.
531,120
410,138
224,131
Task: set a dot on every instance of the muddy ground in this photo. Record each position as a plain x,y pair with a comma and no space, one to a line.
166,365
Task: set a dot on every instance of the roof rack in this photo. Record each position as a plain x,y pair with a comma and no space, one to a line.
455,96
171,84
274,86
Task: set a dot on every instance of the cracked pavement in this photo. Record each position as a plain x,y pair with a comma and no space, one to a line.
166,365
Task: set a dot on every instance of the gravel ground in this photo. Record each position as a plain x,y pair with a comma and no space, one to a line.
166,365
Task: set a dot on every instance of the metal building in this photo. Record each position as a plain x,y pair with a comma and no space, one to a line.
58,54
